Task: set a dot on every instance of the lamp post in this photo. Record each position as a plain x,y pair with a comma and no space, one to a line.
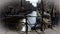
42,15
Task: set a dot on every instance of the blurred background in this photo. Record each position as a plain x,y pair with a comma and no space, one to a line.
29,17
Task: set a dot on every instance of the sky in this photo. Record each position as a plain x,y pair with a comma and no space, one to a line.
34,2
